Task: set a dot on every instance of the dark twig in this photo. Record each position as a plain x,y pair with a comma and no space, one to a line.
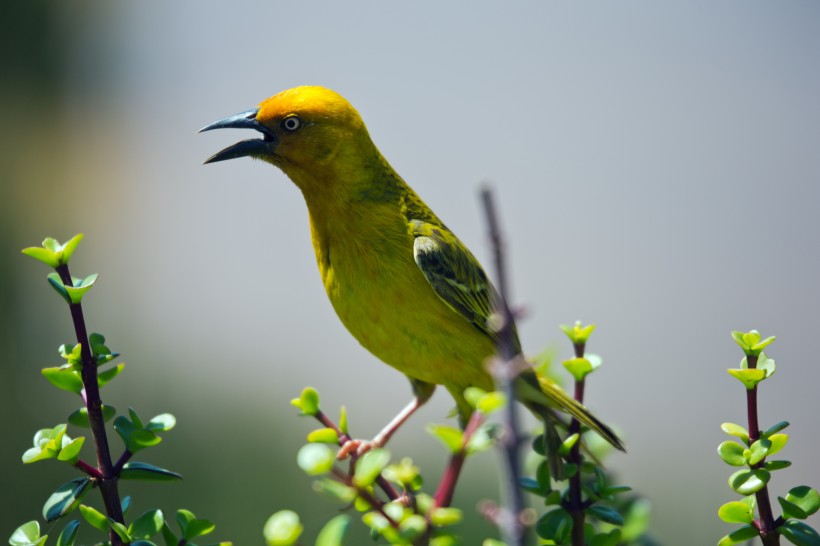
447,484
108,477
512,528
766,524
575,503
385,485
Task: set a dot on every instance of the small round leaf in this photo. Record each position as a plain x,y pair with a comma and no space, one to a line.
749,481
315,459
334,531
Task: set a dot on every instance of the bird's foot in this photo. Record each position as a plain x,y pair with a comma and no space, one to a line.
357,447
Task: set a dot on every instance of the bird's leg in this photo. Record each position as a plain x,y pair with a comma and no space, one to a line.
422,391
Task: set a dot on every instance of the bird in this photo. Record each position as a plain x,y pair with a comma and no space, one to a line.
401,282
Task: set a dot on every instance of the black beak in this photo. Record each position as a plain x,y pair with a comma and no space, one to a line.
246,148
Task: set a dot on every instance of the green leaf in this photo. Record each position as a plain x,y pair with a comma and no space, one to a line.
120,529
64,378
334,531
47,444
483,438
69,533
147,524
758,451
168,536
145,472
579,368
736,430
612,538
282,529
778,442
45,255
404,472
308,402
749,481
315,459
162,423
197,527
76,292
771,466
749,377
473,395
451,437
133,434
57,284
79,418
760,345
412,527
776,428
605,514
491,402
27,534
577,333
94,518
323,436
555,525
804,497
334,490
71,452
125,504
107,375
636,520
443,517
66,498
791,510
69,247
766,364
747,532
369,467
343,419
183,517
737,511
566,445
799,533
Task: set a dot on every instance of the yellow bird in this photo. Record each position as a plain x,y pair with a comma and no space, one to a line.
400,281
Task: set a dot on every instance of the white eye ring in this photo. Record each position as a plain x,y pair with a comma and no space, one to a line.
291,124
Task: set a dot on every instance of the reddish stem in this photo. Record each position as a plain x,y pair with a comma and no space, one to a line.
575,505
765,525
91,395
447,484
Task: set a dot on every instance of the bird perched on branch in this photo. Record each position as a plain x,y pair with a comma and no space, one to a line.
400,281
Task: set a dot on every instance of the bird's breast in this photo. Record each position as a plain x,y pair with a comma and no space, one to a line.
383,299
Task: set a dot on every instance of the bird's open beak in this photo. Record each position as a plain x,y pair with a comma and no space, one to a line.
247,148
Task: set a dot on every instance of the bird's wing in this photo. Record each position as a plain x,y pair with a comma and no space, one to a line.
453,273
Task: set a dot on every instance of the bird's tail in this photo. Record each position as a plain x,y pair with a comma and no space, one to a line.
537,392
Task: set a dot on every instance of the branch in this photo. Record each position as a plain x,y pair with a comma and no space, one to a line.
511,527
108,477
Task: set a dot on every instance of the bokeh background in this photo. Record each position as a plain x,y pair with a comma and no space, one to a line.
656,166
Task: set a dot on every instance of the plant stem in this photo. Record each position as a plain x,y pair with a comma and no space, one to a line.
385,485
765,525
108,478
447,484
513,530
575,504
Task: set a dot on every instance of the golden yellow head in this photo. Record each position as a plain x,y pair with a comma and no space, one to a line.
309,132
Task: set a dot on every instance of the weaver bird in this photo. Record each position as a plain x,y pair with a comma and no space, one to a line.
400,281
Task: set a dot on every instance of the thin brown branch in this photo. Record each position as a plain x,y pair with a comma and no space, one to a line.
108,477
512,528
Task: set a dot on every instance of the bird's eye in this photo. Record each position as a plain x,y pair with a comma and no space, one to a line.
291,124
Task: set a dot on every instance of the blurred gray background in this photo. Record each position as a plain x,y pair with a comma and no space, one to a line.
656,166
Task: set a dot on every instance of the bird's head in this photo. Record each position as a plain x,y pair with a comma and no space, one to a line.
306,131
